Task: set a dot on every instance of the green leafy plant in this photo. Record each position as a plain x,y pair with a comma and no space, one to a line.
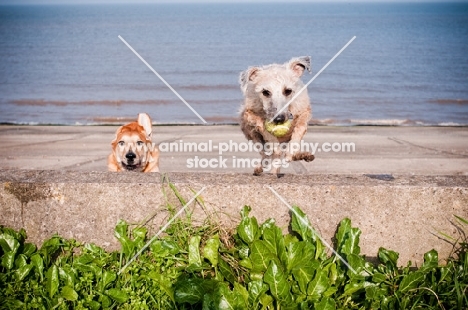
255,267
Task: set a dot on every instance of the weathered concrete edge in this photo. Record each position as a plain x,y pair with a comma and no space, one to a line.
402,213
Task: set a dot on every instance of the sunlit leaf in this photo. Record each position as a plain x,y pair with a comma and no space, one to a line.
301,225
38,263
277,280
318,285
69,293
248,229
388,257
23,271
194,251
304,273
52,283
325,304
411,281
210,251
256,289
260,256
117,295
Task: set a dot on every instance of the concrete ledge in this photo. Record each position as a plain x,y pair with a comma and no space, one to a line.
398,212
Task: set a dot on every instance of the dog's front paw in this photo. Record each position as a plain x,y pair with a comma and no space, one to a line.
258,170
306,156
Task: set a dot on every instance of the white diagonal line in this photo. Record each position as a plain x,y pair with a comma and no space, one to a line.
313,231
160,231
162,79
312,79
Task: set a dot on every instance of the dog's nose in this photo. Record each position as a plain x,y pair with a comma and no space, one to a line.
130,156
280,119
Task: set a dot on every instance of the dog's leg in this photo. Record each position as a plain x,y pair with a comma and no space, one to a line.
112,164
252,126
299,131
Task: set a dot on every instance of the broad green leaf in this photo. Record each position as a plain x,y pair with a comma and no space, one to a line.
351,244
117,295
105,301
21,260
343,229
226,299
332,272
431,259
164,248
325,304
266,301
304,274
411,281
9,246
388,257
38,263
256,289
28,249
69,293
353,287
107,278
226,271
301,225
188,291
358,264
164,283
248,229
260,256
241,295
93,305
67,275
374,292
210,251
378,277
9,243
8,260
139,236
298,254
277,280
273,238
49,248
318,285
194,251
244,251
121,233
246,262
52,283
23,271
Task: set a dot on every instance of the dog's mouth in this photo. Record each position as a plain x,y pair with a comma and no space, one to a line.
131,166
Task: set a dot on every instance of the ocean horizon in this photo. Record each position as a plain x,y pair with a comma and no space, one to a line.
65,64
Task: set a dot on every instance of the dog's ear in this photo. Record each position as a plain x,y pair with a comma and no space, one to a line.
299,65
117,133
247,76
145,121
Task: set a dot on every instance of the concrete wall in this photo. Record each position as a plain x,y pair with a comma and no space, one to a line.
400,212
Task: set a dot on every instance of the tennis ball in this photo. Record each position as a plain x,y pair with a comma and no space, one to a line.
278,130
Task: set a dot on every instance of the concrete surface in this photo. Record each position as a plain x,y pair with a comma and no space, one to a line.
400,187
378,150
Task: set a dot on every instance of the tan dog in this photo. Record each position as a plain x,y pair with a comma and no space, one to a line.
266,91
132,149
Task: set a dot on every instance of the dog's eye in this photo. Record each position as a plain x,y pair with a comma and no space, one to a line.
140,143
266,93
287,91
121,143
